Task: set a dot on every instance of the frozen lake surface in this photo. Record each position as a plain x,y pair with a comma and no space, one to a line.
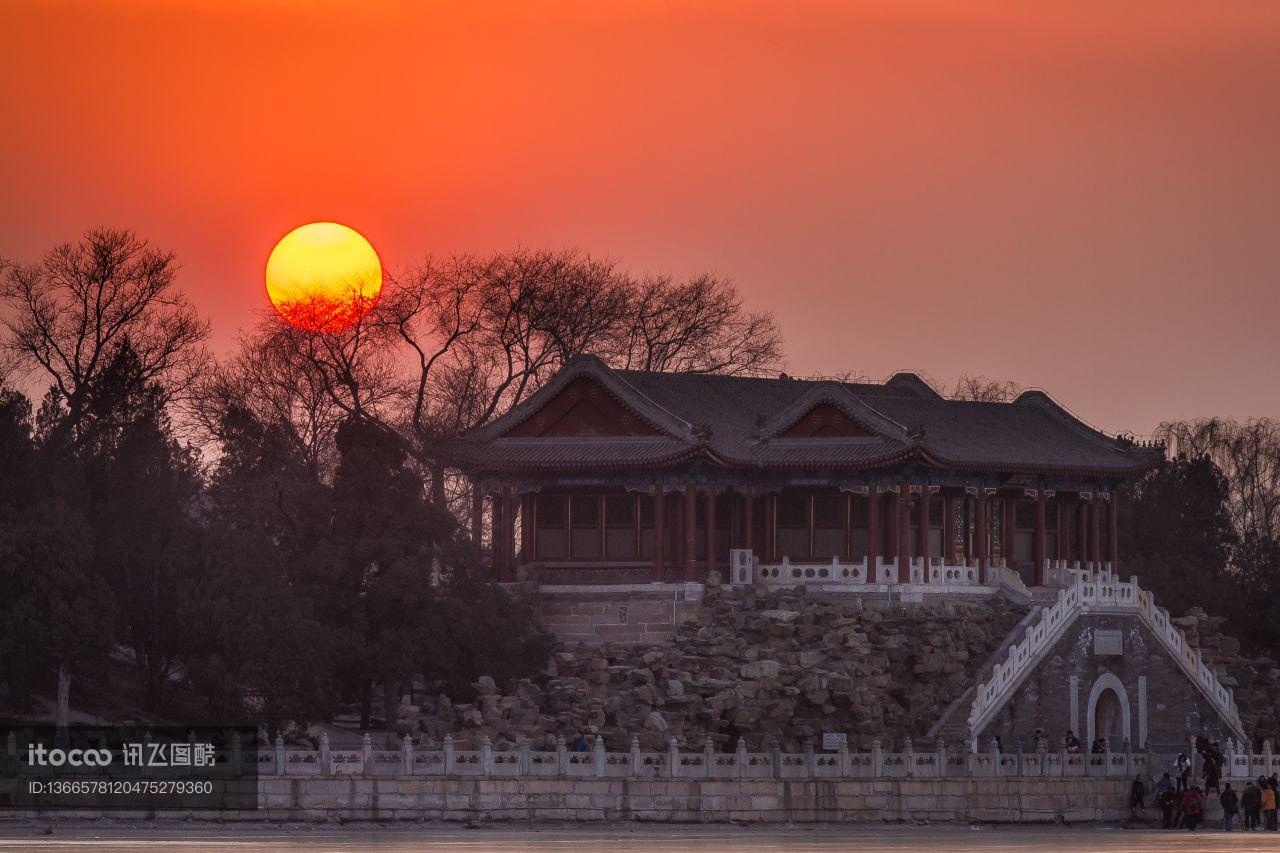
162,836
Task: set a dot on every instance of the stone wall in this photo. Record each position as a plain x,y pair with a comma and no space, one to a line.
618,613
676,800
1055,696
782,664
1255,679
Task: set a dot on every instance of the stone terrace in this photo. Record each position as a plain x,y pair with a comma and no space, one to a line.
777,664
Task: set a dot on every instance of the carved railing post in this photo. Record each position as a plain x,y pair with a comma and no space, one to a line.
995,757
809,764
940,750
366,754
775,758
599,755
908,757
673,759
526,758
708,757
486,756
844,758
406,756
637,763
279,755
326,756
449,759
743,758
877,759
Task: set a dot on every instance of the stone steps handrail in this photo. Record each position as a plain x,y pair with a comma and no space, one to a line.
1086,594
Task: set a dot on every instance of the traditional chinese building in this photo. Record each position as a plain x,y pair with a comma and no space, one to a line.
613,495
617,476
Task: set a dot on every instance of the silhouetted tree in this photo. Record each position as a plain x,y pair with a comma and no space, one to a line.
1176,535
69,314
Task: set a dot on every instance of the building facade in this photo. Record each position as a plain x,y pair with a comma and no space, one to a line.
613,476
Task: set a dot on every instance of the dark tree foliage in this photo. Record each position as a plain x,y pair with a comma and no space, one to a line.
477,629
55,613
1176,536
1258,558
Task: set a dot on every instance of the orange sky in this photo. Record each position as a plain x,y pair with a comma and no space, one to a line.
1084,199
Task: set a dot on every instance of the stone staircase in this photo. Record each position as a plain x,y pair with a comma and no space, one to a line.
1085,595
953,726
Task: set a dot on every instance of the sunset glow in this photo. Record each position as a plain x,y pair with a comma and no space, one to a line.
323,277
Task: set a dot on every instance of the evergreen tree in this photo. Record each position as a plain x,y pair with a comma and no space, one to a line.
1176,536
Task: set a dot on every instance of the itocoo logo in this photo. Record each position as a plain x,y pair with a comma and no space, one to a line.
38,755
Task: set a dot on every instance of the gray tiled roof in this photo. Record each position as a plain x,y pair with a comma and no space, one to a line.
739,421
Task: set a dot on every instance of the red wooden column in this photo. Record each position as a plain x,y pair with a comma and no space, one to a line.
496,569
922,532
768,527
949,551
659,522
690,532
749,518
477,517
904,533
873,533
711,528
980,531
890,527
526,527
1038,552
1095,531
1062,526
1113,539
1008,537
508,533
1082,531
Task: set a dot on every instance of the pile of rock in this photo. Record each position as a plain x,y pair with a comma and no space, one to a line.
759,665
1255,680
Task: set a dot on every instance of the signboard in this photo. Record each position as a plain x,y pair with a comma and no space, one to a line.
1108,642
832,741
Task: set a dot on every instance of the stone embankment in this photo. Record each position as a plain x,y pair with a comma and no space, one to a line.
757,665
1254,680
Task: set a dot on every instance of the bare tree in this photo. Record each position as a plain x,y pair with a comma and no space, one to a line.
697,326
458,341
983,389
1248,454
264,378
71,312
485,333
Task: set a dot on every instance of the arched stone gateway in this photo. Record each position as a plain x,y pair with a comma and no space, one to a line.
1108,714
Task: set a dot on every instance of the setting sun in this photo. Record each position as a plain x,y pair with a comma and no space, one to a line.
323,277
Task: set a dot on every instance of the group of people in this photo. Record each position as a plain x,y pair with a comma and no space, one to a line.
1184,808
1183,804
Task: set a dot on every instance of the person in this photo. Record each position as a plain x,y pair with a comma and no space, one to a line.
1269,806
1137,797
1192,808
581,744
1098,746
1230,805
1167,800
1071,742
1212,775
1182,771
1251,805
